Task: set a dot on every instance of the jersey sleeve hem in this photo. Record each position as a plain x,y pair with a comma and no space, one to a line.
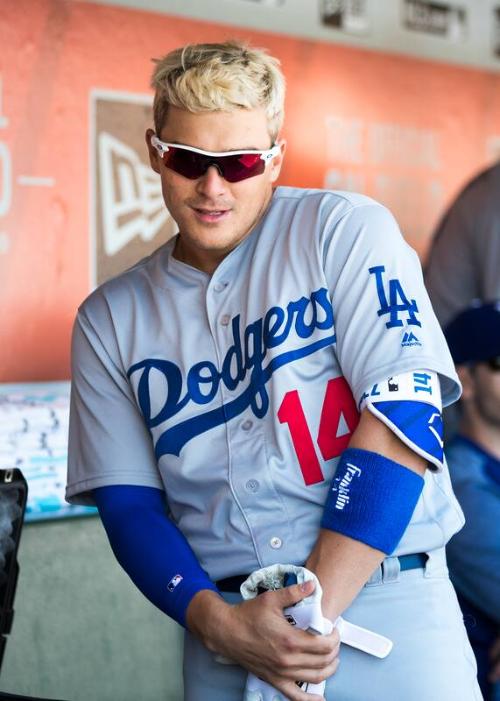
80,493
450,385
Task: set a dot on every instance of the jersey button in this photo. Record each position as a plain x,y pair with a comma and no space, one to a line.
276,542
247,425
219,286
252,485
224,320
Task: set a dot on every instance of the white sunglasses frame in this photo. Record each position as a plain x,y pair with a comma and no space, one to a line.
163,146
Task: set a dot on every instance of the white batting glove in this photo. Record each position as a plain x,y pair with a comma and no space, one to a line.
306,614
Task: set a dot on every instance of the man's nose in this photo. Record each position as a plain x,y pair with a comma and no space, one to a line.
212,184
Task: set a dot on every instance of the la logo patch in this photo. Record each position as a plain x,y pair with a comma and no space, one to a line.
395,302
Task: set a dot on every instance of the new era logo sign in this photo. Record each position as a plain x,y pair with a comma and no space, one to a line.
131,199
130,218
409,339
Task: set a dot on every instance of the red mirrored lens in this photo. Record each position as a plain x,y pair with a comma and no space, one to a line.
233,168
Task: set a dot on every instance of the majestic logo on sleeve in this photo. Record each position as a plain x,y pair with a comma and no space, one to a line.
394,303
409,339
244,365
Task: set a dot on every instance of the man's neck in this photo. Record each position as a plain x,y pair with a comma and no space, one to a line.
206,262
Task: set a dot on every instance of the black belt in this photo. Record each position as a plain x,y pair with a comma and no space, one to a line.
406,562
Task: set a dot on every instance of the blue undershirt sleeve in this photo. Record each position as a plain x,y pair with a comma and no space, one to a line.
150,548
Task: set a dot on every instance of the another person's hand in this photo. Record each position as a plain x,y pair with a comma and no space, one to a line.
256,635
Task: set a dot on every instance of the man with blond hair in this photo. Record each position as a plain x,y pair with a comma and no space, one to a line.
261,398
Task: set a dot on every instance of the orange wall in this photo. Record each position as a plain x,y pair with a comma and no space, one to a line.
54,52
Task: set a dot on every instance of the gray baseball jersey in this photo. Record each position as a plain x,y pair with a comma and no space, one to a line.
464,261
237,392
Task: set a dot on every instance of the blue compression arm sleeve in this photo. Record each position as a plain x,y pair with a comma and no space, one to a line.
150,548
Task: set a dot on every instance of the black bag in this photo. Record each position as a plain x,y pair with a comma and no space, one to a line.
13,495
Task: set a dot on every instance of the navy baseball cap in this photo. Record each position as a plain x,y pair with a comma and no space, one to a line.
474,334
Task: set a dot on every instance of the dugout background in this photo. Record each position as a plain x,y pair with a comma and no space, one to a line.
405,112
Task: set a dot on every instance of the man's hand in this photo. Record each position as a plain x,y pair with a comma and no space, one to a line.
257,636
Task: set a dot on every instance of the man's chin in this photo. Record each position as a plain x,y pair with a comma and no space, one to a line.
214,237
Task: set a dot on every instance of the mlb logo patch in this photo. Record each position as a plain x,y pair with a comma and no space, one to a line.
176,579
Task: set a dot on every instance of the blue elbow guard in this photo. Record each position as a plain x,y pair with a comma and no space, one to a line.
371,499
150,548
410,405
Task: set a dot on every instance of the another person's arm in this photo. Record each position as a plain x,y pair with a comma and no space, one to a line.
451,276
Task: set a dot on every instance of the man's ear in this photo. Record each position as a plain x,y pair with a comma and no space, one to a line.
466,377
154,156
277,161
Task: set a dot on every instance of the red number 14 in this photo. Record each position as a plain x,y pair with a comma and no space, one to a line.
338,402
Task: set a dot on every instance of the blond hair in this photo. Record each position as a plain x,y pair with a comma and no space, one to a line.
211,77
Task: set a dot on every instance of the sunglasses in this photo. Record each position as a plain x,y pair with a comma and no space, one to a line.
233,166
494,363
